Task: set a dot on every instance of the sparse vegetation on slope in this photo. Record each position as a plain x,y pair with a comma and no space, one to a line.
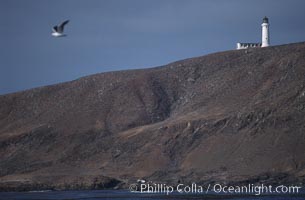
226,117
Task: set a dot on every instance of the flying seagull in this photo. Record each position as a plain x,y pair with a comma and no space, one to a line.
58,31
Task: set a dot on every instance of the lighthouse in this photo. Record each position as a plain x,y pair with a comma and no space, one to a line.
265,32
265,38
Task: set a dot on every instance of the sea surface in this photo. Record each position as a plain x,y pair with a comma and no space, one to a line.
126,195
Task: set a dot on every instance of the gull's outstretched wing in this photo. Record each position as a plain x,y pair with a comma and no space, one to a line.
60,28
55,29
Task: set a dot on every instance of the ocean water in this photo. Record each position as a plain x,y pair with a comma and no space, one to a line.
125,195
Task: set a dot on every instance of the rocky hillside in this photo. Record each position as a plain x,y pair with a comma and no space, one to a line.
235,116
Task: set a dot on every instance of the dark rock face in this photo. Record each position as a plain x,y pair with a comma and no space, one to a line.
235,116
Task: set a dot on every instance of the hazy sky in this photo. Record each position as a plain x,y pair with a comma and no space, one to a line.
107,35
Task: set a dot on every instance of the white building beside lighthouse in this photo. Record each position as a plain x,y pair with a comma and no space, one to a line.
265,38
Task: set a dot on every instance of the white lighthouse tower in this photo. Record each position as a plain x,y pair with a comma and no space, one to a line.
265,32
265,38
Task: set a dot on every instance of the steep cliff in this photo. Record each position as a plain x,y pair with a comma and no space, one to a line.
232,116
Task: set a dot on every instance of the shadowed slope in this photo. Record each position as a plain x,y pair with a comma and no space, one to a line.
231,116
